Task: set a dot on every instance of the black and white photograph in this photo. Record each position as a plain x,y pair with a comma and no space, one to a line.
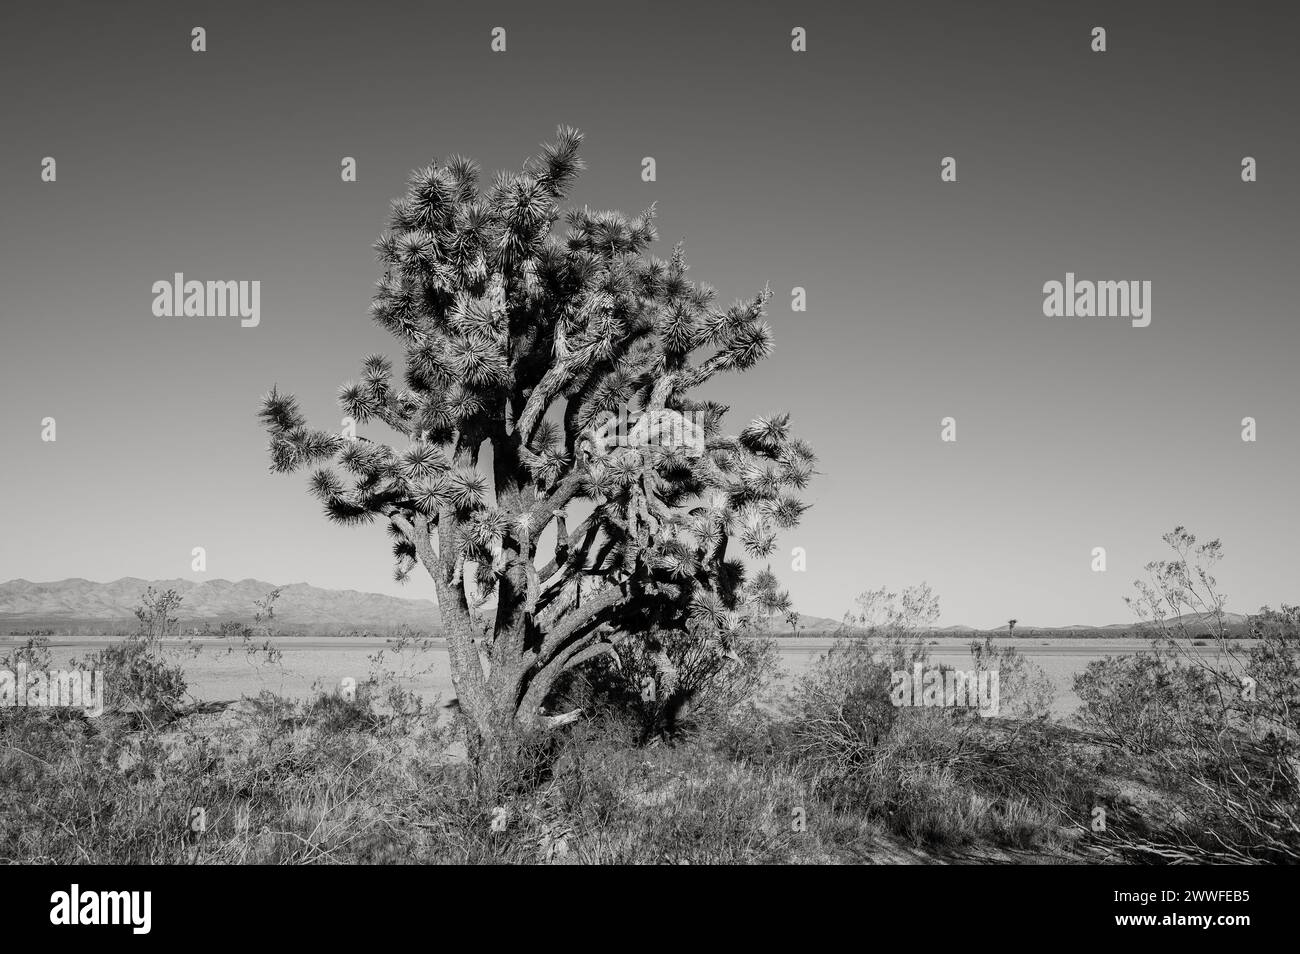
726,434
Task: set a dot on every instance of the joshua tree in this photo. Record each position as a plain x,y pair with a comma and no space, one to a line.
792,617
1011,627
544,537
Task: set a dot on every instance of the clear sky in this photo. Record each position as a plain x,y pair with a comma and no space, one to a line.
817,169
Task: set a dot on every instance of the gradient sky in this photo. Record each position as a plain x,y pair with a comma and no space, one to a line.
818,169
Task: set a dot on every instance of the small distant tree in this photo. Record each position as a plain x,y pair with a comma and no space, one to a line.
543,537
1011,627
257,640
156,614
792,617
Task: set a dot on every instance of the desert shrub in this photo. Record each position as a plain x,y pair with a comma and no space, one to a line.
333,713
154,615
393,673
137,678
1272,672
669,683
755,734
34,653
1025,690
141,677
1148,702
841,709
1221,726
254,640
898,624
674,684
940,777
934,777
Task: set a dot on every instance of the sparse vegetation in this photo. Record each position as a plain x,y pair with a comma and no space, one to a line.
1217,730
1192,757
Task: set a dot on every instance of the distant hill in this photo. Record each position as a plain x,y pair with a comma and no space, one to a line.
1194,622
24,604
811,624
1235,624
1207,619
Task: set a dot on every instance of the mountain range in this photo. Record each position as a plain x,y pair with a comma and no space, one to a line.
298,605
302,606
